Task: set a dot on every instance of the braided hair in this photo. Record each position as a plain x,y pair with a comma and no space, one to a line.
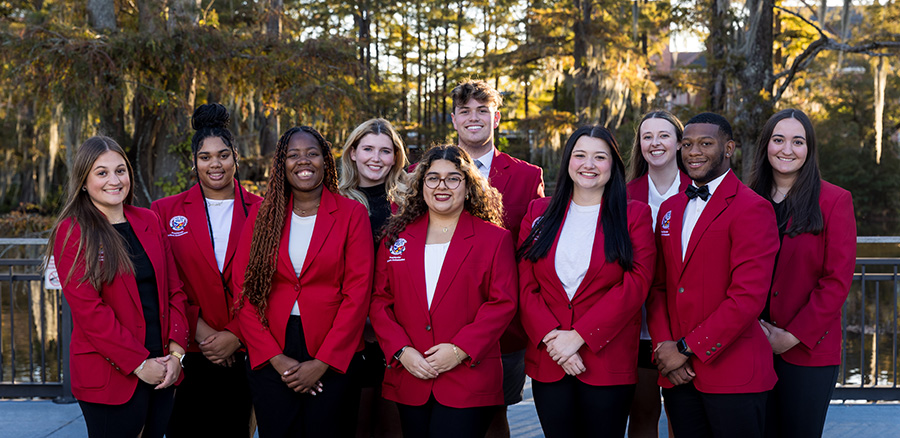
270,220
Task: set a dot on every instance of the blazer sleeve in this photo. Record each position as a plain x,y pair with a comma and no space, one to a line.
96,319
536,317
191,310
340,343
261,344
827,299
478,337
752,257
391,335
606,318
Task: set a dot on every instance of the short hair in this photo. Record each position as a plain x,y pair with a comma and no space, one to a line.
714,119
475,89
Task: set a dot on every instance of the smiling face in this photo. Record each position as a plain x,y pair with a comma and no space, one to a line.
475,122
215,167
590,167
703,152
374,158
108,184
442,200
787,148
304,164
659,142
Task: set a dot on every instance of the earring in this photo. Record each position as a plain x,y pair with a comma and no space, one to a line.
83,188
467,196
727,155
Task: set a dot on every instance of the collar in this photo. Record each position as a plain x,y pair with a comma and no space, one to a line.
714,184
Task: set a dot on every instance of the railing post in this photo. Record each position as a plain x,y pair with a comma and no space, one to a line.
66,397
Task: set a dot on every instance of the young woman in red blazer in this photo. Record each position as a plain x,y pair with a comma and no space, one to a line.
128,309
445,290
373,164
813,271
203,225
304,267
654,176
586,262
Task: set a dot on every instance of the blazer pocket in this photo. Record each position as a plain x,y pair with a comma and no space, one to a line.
90,370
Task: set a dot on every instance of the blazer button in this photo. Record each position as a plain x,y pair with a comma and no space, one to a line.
776,293
681,290
388,366
718,345
570,305
708,352
296,287
818,342
713,349
826,332
427,328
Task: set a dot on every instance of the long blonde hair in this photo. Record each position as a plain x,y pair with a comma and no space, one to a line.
349,183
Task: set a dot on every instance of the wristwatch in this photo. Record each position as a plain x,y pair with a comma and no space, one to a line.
180,357
682,347
399,353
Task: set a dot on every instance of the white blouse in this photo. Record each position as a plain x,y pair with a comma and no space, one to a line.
298,245
576,242
434,260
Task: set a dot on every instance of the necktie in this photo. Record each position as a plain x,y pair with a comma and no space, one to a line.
693,192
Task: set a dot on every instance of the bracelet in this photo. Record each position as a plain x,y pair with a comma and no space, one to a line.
456,352
140,367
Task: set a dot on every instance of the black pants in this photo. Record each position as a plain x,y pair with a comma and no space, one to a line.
799,402
148,409
572,408
698,415
212,391
434,420
281,412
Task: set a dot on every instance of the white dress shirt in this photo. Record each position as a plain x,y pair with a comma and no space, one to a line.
655,199
693,211
434,261
483,163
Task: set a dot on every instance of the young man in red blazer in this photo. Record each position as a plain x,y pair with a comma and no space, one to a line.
475,116
716,250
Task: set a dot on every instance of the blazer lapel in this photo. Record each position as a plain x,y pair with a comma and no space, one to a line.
676,222
460,245
598,259
416,233
498,176
324,222
716,205
237,224
196,214
151,244
284,256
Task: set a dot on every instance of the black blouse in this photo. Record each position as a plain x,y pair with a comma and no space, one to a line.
379,207
145,277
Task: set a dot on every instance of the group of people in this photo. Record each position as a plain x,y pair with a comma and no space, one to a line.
415,298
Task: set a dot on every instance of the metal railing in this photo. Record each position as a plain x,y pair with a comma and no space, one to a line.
35,329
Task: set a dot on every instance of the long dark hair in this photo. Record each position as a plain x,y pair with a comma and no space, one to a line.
270,219
613,212
802,200
97,234
639,166
482,200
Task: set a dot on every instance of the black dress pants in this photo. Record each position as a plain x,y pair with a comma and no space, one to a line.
281,412
799,402
697,414
148,409
572,408
212,400
434,420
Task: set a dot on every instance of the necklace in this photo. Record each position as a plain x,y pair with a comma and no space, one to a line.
303,212
779,192
215,202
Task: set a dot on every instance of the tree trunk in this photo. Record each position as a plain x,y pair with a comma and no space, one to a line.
756,104
881,71
581,31
273,18
102,14
717,51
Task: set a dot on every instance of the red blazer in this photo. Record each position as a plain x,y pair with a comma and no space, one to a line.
474,301
714,297
812,279
606,308
196,261
639,188
108,325
332,290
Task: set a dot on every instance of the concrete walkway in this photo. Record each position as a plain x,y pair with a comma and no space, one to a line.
42,418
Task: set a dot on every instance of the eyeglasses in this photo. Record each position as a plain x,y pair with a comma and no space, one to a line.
452,182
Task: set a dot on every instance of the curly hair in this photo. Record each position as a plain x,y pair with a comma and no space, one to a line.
482,200
270,220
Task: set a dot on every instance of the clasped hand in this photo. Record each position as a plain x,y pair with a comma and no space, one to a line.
562,345
780,339
303,377
160,371
436,360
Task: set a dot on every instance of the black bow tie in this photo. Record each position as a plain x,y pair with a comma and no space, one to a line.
693,192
